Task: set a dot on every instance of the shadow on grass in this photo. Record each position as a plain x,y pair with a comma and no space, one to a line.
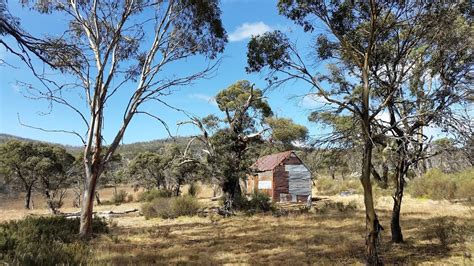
333,238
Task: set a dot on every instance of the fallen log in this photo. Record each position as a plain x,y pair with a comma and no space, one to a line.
118,212
99,214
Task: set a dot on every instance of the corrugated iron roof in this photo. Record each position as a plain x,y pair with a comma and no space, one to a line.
269,162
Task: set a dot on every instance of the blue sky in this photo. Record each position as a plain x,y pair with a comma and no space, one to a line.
241,19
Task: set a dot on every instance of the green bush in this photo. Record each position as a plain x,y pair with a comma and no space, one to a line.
240,202
435,184
120,197
171,207
327,186
339,206
446,231
465,188
258,202
45,241
158,207
153,194
185,206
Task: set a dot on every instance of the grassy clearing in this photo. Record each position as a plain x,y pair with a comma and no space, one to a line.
332,236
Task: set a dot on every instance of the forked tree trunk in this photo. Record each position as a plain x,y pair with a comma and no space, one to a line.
372,224
28,197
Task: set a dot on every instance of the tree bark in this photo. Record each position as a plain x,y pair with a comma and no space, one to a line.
28,197
231,188
97,197
50,202
397,236
372,224
92,174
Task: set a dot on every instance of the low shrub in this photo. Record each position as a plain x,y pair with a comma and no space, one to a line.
258,202
158,207
435,184
336,206
326,186
153,194
446,231
56,204
171,207
240,202
185,206
120,197
45,241
130,198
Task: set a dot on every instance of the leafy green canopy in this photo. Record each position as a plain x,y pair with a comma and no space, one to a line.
286,131
25,162
236,97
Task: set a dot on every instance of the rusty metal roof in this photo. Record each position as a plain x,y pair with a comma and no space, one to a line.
271,161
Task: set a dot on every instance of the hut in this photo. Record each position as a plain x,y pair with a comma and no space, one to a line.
282,176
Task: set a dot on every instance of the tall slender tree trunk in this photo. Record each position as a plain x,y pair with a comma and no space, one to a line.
28,196
85,229
397,236
93,165
97,197
93,168
372,224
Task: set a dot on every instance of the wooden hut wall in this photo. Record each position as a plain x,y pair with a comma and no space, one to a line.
265,182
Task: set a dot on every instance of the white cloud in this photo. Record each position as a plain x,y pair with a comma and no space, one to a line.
312,101
203,97
248,30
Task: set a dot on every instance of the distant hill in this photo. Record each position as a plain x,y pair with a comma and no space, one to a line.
71,149
126,150
7,137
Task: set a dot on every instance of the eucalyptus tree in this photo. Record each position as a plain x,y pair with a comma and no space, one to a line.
433,80
286,132
247,130
17,168
355,38
52,167
122,44
245,110
28,166
147,170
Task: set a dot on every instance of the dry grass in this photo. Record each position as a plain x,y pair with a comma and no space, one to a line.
314,238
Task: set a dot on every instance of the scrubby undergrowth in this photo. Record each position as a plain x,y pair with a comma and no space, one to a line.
173,207
437,185
45,241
